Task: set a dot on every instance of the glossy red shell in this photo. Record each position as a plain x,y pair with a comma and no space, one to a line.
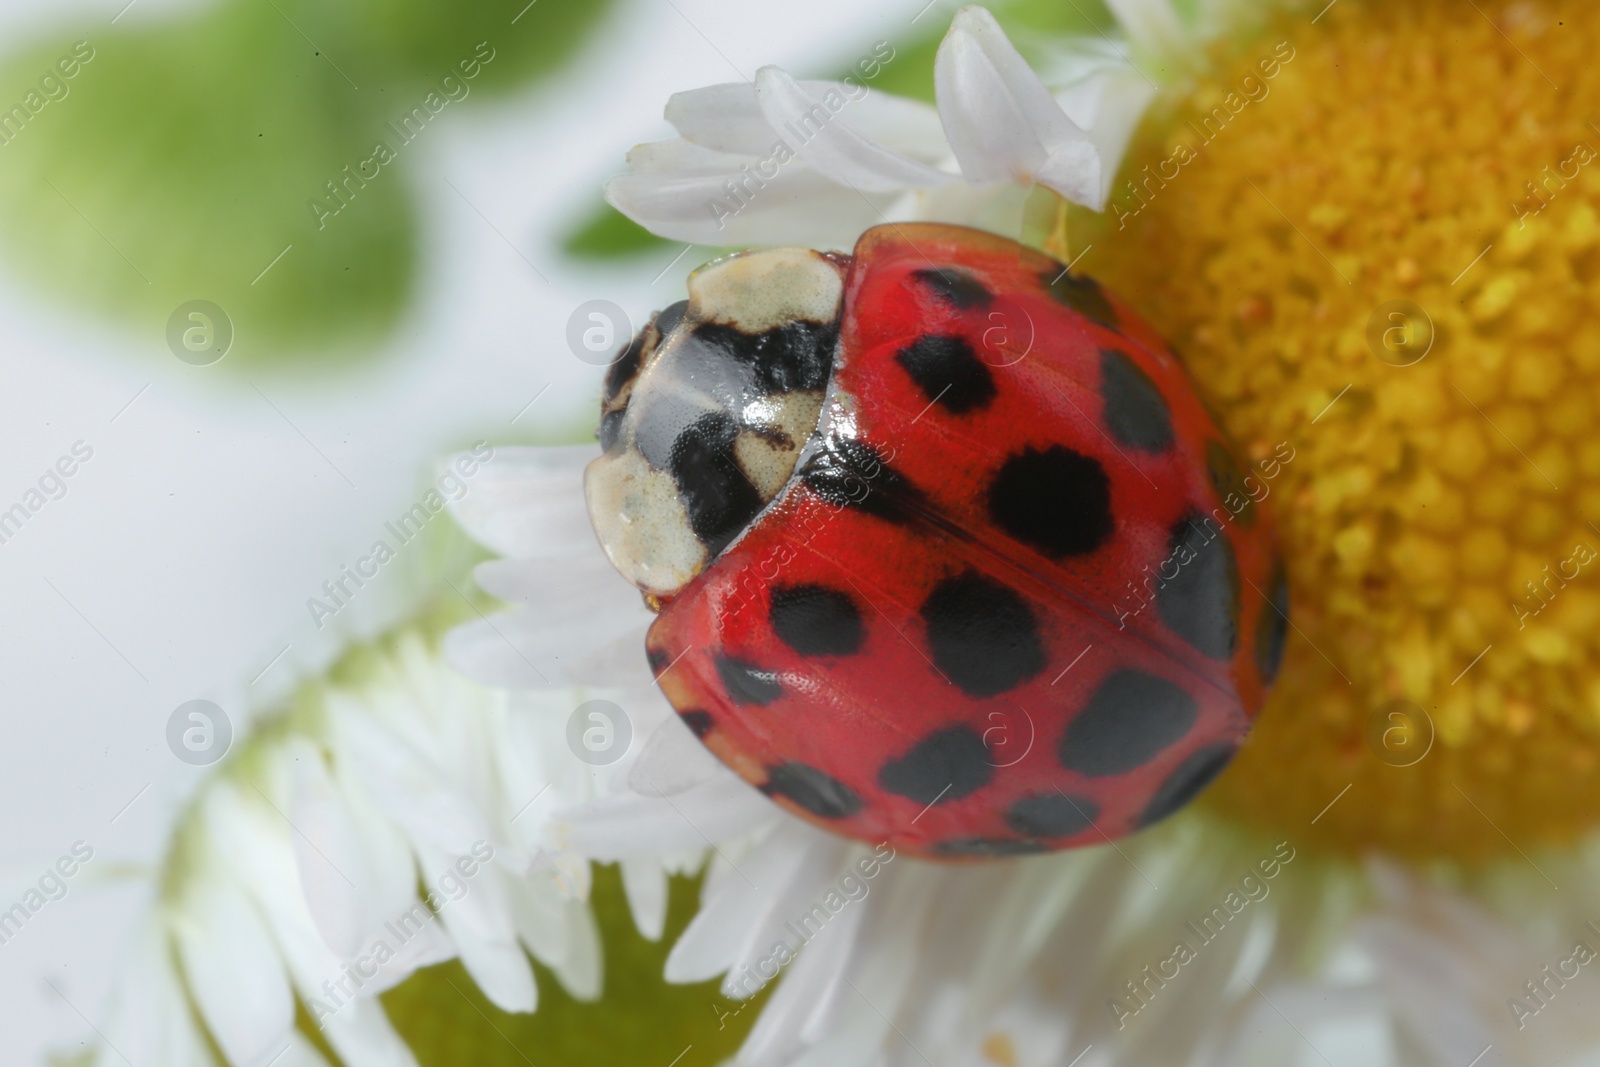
945,730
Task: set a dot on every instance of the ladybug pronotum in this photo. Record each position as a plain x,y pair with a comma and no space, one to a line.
946,549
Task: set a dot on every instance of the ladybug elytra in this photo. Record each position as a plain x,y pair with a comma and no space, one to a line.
947,551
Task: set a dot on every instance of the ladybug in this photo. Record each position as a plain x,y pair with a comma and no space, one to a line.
945,549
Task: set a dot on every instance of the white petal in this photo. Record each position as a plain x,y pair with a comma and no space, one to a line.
997,206
1075,172
580,973
1001,120
728,119
532,791
406,785
807,991
477,913
1153,25
683,157
563,585
362,1035
645,884
1112,102
1455,958
731,913
616,664
415,943
1081,97
614,828
795,912
889,959
576,607
539,912
391,871
709,946
536,726
297,1051
797,207
673,761
529,649
722,117
328,853
251,841
529,502
909,127
234,971
1263,1035
1076,59
151,1021
1024,911
647,710
824,138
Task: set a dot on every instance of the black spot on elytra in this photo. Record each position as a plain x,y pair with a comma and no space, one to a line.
1272,629
1080,293
947,371
1135,411
716,494
812,790
944,766
850,473
988,847
1052,815
1228,480
698,722
657,658
795,356
1200,601
1130,718
816,621
1187,782
983,635
746,683
1056,500
955,287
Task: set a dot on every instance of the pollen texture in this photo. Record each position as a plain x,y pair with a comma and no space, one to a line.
1376,237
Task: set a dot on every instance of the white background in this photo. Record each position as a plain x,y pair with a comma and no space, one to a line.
191,540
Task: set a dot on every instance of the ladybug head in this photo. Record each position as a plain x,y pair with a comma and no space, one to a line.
705,413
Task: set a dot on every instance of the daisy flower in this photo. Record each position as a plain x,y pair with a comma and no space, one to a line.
387,821
783,161
1360,251
1398,868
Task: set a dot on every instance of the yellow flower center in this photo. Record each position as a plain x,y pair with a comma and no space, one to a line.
1379,241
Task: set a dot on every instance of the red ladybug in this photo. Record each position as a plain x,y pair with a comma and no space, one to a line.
947,552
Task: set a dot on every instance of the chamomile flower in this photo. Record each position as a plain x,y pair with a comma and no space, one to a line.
782,161
1329,900
386,822
1116,952
1316,176
1203,941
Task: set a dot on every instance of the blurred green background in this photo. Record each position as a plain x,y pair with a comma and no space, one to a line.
195,154
194,147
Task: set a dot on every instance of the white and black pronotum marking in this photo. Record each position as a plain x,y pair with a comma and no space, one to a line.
705,413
